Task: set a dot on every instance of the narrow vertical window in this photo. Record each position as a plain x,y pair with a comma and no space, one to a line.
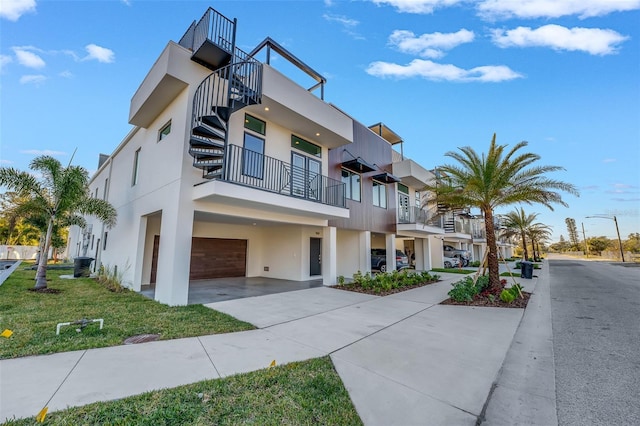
253,156
379,195
136,163
104,241
351,185
104,193
164,131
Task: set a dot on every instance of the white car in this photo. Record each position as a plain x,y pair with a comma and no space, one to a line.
451,262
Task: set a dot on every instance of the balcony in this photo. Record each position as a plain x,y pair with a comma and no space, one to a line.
281,187
410,172
416,221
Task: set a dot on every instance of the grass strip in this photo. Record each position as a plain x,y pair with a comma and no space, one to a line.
300,393
454,270
33,316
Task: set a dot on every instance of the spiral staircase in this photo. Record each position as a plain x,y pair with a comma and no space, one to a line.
235,83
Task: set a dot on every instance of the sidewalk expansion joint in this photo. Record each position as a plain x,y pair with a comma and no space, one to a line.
208,356
66,377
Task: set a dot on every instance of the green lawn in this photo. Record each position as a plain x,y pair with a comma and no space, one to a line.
33,316
301,393
454,270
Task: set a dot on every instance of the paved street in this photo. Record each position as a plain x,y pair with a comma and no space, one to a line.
595,309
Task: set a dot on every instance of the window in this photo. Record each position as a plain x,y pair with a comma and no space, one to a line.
403,188
136,161
306,146
306,180
253,156
104,193
255,124
96,194
351,185
418,199
164,131
92,241
104,241
379,194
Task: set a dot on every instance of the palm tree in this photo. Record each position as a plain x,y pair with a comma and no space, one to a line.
492,180
516,223
60,197
538,233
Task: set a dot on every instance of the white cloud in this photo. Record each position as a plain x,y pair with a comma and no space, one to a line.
442,72
14,9
3,161
33,79
343,20
43,152
418,6
595,41
27,58
66,74
4,60
553,8
609,160
429,45
101,54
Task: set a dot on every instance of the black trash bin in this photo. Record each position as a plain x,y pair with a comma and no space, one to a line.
526,270
81,266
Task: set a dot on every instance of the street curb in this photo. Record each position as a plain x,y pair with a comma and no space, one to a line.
524,392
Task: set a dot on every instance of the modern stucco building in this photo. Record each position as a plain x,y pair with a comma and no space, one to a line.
233,169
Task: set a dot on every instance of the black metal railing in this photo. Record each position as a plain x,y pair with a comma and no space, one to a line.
230,87
259,171
213,26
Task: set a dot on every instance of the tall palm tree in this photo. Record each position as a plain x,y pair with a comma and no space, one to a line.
60,196
496,179
516,223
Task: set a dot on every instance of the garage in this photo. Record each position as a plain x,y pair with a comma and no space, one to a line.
217,258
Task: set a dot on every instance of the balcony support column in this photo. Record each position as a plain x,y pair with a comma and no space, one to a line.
422,250
329,255
364,263
390,245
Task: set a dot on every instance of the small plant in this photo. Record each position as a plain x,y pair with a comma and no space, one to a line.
475,264
341,280
463,290
507,296
482,282
109,277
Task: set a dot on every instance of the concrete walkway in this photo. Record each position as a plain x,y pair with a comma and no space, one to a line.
404,359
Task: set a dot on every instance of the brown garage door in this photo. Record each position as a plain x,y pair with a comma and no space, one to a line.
217,258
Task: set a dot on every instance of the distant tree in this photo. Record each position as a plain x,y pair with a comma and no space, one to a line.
572,229
561,246
15,229
537,234
60,194
516,223
598,244
495,179
632,243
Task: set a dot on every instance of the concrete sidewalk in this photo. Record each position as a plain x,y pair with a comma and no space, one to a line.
403,358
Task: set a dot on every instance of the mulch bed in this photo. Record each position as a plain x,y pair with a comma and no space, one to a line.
358,289
497,303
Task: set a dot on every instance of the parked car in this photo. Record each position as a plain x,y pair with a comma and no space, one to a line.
379,260
463,255
451,262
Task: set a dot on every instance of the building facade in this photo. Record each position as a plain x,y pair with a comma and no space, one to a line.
233,169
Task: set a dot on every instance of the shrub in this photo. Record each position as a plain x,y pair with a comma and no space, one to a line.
463,290
507,296
482,282
109,277
475,263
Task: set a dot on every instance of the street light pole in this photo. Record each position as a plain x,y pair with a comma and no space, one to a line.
615,220
584,236
619,240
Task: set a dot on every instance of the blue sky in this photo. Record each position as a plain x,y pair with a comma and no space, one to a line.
563,75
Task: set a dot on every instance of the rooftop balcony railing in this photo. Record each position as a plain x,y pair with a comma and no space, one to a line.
252,169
